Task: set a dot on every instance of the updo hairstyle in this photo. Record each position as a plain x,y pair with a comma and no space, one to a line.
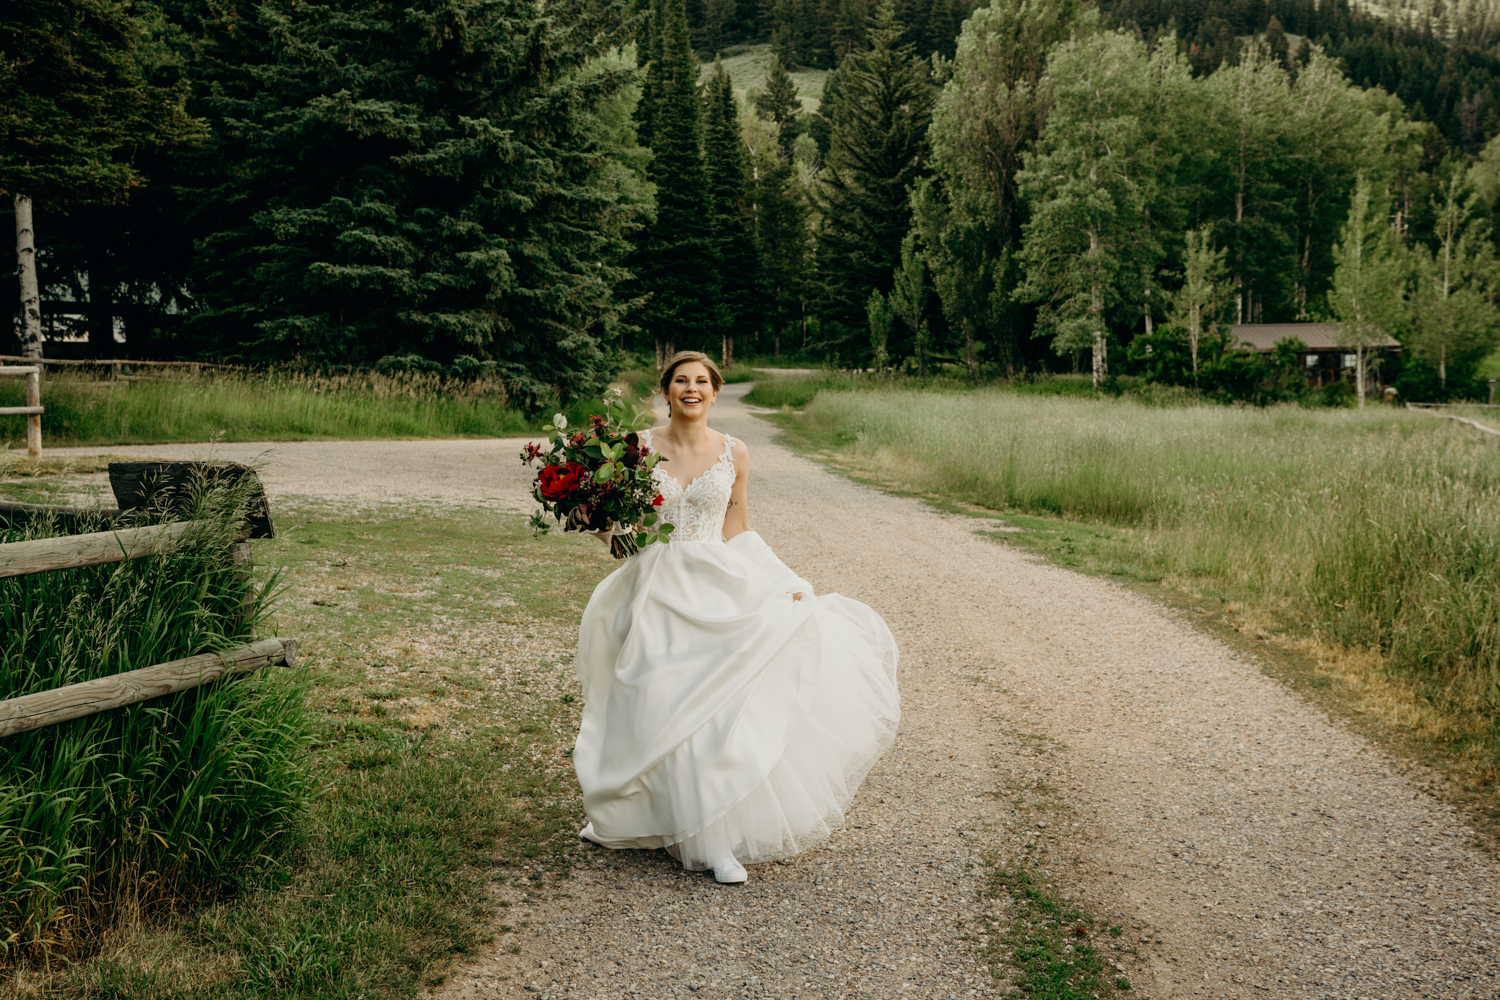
715,377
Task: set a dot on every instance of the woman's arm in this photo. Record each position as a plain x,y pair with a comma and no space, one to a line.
737,517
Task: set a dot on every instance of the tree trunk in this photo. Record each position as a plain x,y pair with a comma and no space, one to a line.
1195,331
661,353
1359,373
31,296
727,352
1101,361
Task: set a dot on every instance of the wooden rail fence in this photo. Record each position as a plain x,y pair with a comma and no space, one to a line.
32,411
45,555
1485,433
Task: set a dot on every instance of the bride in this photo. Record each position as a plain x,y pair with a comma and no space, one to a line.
730,713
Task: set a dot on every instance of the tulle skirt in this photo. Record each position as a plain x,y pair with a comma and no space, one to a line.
721,717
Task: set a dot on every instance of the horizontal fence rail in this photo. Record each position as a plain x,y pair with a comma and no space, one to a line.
113,362
46,708
42,555
62,510
1493,434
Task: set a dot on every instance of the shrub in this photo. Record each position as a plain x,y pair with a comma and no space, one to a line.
119,812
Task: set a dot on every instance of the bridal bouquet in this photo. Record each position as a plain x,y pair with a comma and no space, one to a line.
599,478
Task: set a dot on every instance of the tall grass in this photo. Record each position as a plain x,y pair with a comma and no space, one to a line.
111,816
262,406
1381,527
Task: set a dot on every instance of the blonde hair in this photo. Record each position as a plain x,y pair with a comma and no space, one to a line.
715,377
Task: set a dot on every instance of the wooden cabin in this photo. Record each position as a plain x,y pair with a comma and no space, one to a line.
1325,358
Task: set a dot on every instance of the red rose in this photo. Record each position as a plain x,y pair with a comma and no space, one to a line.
557,481
658,501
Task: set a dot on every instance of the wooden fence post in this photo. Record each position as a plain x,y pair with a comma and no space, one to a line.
34,420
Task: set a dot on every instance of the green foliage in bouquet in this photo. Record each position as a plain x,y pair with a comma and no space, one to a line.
599,478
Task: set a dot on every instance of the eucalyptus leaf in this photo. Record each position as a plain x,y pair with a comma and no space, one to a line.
649,519
560,421
667,529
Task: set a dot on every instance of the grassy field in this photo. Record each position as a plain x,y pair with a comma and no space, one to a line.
748,66
435,648
1372,537
270,406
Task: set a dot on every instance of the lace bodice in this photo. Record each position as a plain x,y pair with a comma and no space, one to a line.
697,510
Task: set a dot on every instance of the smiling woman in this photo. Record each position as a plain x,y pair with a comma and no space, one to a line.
730,713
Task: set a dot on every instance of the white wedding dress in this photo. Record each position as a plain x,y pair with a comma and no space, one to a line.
721,717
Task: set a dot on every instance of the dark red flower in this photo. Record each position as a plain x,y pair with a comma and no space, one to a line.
658,501
556,481
632,456
531,452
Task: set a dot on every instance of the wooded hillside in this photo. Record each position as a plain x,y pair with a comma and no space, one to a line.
482,185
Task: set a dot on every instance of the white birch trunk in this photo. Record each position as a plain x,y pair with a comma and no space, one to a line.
31,296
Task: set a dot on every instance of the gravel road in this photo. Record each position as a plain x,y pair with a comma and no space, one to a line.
1262,850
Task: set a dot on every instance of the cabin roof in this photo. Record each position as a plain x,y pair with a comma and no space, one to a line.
1262,337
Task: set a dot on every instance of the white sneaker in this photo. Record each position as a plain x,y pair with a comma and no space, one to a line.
730,871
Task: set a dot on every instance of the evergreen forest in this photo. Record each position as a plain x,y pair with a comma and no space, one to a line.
542,191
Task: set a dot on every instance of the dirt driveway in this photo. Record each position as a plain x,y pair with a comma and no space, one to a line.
1184,795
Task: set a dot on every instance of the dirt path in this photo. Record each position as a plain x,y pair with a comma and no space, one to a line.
1267,852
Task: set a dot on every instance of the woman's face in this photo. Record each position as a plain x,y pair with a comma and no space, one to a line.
691,391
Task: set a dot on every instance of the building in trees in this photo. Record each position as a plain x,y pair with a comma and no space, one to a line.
1324,355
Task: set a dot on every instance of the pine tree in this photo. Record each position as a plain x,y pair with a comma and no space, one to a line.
779,104
374,186
850,31
877,151
676,263
72,100
728,163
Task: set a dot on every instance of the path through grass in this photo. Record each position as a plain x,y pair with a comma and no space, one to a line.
1368,540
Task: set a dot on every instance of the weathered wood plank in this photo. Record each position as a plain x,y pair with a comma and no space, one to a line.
20,370
19,411
56,508
34,418
70,551
45,708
